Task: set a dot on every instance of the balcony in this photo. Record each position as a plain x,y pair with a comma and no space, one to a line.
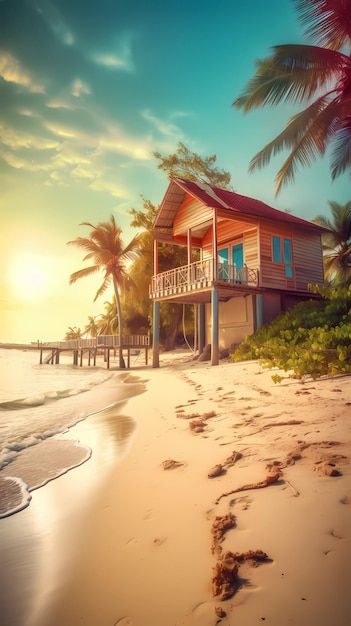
201,276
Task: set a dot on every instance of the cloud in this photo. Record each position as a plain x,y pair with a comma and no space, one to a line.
60,103
164,127
54,20
79,88
17,139
118,59
19,163
108,187
12,71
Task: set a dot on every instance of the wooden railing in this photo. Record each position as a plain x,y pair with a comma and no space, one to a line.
101,341
199,275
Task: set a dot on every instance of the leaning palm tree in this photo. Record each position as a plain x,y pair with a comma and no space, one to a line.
337,243
318,75
105,249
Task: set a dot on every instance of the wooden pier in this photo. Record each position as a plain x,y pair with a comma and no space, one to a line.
89,348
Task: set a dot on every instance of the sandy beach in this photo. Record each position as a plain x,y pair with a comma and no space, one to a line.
131,542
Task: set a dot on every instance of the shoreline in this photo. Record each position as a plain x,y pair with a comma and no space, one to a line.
137,550
54,450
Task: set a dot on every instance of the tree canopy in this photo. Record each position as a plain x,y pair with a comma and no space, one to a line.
317,75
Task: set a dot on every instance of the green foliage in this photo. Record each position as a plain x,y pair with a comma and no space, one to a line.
337,243
186,164
313,338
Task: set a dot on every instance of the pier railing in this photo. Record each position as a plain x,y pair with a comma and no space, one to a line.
101,341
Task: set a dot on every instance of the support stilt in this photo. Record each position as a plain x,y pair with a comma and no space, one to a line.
201,327
156,335
214,328
128,358
259,310
108,358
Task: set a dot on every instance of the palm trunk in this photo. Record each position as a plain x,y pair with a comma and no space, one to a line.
120,324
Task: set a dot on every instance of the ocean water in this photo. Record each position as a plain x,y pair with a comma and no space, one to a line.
34,401
38,403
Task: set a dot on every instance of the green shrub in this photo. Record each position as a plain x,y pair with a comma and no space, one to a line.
313,338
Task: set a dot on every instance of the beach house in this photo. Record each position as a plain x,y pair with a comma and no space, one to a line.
246,261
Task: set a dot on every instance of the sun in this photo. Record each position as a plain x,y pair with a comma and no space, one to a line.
29,277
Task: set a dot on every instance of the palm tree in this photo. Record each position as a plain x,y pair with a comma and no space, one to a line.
317,74
108,254
108,322
73,333
92,327
337,243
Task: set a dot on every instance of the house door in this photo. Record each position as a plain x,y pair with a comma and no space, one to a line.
223,259
238,260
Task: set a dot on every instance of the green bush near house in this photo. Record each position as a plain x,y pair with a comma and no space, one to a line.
313,338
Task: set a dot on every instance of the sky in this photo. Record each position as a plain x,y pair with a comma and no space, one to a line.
89,90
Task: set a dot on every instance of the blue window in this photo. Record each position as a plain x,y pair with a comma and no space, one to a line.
276,249
287,251
238,255
223,255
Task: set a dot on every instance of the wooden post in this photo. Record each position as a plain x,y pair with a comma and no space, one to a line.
108,358
189,255
146,356
195,328
201,327
259,310
214,328
214,246
156,335
95,351
57,359
155,257
128,358
41,356
81,357
89,356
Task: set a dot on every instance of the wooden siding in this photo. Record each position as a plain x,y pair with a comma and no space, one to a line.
306,262
308,259
230,231
227,230
190,213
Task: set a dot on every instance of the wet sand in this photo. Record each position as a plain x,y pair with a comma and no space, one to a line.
121,540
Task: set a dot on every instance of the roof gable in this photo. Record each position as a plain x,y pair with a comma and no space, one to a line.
218,198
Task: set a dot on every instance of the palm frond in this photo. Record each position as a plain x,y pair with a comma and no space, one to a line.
86,271
328,21
341,155
83,242
292,74
292,134
131,251
104,285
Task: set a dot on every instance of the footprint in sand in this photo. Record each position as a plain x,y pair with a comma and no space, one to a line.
124,621
345,500
159,541
334,533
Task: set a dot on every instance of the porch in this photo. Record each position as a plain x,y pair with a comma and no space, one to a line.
202,276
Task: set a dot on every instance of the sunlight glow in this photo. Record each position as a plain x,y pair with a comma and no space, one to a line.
29,277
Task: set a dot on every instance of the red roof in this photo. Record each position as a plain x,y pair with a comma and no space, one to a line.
216,197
